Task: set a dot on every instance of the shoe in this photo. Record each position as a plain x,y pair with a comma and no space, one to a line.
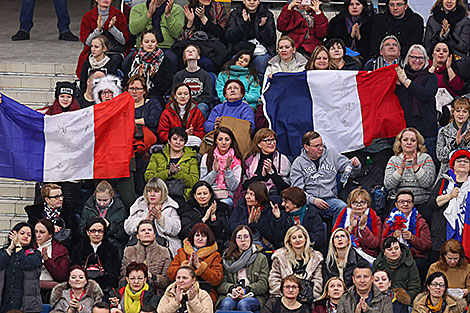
68,36
20,35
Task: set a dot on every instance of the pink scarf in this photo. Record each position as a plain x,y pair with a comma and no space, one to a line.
220,180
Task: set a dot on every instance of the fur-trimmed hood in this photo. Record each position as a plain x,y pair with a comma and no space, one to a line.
60,291
110,82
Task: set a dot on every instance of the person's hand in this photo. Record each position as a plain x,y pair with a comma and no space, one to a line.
196,262
321,204
168,8
99,22
254,216
152,212
363,220
158,211
401,74
355,32
192,293
217,122
355,162
267,167
454,193
190,130
174,169
44,254
245,15
152,8
353,220
293,4
178,294
407,235
465,293
228,163
212,210
216,165
276,211
316,6
414,161
13,235
189,13
459,136
263,21
397,233
466,136
449,61
235,293
402,166
361,306
444,29
114,301
112,22
200,13
74,303
141,70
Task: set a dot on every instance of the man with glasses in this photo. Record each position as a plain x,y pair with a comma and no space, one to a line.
315,170
398,20
389,54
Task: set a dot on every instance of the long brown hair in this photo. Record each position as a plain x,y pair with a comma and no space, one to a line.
233,252
186,107
233,144
452,246
311,60
459,3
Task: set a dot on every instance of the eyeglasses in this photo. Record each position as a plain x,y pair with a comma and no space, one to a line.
396,5
292,287
244,237
405,201
271,140
361,203
317,146
135,89
56,197
416,58
107,92
96,231
436,285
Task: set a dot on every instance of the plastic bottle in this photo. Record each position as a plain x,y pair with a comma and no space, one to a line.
345,176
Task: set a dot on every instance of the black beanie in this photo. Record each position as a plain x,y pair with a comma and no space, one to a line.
67,88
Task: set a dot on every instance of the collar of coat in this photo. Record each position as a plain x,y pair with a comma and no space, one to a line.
201,253
62,290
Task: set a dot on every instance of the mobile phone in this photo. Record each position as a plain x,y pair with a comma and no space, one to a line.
306,2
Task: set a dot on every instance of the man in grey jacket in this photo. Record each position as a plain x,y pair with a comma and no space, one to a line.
364,296
314,171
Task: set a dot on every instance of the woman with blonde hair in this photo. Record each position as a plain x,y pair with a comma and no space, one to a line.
334,289
319,59
297,258
411,168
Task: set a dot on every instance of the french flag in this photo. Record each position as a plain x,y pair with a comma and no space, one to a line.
91,143
348,108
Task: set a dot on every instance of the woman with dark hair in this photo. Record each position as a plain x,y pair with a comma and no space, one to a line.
136,293
221,166
383,282
183,112
65,99
175,163
332,292
353,25
291,287
241,67
245,283
435,298
77,294
339,59
200,253
319,59
203,207
20,269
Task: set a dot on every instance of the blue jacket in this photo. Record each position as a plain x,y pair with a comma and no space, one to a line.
238,109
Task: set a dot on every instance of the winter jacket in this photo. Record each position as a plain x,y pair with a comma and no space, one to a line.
167,227
151,112
380,302
257,275
405,276
332,270
457,277
446,144
210,269
157,259
252,86
160,162
458,38
238,31
453,304
147,298
202,303
409,30
170,26
276,65
23,294
200,83
425,93
232,176
170,119
319,182
279,178
58,264
115,215
292,23
238,109
419,183
61,297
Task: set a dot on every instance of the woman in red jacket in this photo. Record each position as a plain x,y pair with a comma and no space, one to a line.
181,111
306,24
104,19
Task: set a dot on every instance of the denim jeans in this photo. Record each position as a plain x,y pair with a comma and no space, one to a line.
260,63
335,207
27,12
247,304
204,108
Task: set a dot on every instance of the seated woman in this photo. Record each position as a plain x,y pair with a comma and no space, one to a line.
353,25
307,25
342,258
20,265
55,258
245,283
256,212
234,106
77,294
105,204
453,136
252,26
156,257
65,99
291,287
334,289
183,112
297,212
184,295
241,67
221,166
436,297
298,258
361,222
267,164
96,250
453,265
200,253
383,282
203,207
136,293
319,59
396,259
104,19
155,205
410,168
339,59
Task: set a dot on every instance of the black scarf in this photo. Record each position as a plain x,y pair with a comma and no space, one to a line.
418,77
156,19
453,17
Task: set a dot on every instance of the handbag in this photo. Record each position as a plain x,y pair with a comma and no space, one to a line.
64,233
94,270
175,187
306,297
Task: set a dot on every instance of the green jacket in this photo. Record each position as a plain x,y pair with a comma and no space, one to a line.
171,27
160,161
405,276
257,274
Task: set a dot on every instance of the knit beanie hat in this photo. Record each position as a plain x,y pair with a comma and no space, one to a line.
457,154
67,88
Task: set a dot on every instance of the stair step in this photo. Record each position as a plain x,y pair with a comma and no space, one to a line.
43,68
14,207
16,190
7,222
46,82
25,95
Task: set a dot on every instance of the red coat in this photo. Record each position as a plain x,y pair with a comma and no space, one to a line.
88,25
291,22
58,264
170,119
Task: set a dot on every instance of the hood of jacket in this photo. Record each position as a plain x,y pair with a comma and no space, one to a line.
201,253
60,291
237,70
110,82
